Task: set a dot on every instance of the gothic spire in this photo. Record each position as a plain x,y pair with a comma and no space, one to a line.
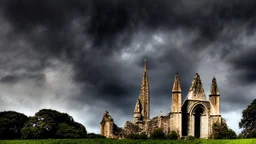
196,90
176,85
214,88
144,93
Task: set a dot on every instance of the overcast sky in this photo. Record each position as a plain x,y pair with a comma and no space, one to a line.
83,57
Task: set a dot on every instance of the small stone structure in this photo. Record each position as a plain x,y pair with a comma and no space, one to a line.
194,117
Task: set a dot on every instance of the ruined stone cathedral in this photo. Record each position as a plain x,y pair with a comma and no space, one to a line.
194,117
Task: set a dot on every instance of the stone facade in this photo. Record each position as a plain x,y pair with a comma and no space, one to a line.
195,116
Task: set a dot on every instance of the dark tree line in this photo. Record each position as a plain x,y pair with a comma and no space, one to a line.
46,123
49,123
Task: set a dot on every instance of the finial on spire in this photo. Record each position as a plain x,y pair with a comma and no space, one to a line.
145,64
176,85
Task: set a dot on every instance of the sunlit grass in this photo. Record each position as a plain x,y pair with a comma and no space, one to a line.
125,141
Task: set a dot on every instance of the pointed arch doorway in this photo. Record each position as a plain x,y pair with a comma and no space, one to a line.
200,121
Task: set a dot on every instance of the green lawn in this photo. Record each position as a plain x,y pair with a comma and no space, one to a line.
111,141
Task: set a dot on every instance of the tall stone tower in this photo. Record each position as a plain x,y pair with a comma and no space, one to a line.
175,117
214,97
142,107
176,95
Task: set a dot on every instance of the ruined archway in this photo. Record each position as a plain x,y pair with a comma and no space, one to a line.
199,121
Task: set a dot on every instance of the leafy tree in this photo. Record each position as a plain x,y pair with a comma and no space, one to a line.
10,124
32,133
39,128
173,135
158,134
248,121
221,131
67,131
251,134
49,123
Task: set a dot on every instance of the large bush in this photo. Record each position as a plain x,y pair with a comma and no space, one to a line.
221,131
158,134
173,135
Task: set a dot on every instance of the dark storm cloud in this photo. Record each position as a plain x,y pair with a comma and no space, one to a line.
245,63
108,18
16,78
89,34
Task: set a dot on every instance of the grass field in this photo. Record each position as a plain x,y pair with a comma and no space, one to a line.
111,141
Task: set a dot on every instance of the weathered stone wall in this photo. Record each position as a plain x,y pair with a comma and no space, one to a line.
108,128
151,125
164,123
107,125
129,127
